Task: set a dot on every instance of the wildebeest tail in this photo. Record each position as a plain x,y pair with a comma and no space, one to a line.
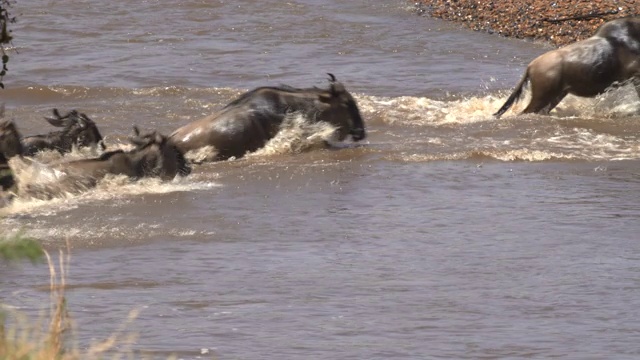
515,95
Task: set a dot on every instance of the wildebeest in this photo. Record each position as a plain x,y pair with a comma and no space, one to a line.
248,122
585,68
152,156
9,147
79,130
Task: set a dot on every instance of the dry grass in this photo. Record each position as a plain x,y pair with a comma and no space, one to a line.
49,337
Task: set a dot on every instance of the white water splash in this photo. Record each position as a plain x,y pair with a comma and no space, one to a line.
45,190
586,144
423,111
205,153
96,234
297,134
614,103
523,154
601,128
118,187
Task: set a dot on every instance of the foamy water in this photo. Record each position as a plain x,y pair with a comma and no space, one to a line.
468,119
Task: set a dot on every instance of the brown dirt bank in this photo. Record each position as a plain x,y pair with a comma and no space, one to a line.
559,22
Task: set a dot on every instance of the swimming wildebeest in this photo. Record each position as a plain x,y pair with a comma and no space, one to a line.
585,68
9,147
248,122
153,156
78,130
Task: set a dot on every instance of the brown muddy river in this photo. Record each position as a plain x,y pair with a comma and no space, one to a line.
446,234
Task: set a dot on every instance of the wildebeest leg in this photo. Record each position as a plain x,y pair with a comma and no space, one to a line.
536,105
554,103
547,84
544,103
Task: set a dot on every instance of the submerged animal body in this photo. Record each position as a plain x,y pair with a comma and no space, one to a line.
153,156
585,68
78,129
248,122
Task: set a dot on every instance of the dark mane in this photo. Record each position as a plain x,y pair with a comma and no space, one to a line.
622,32
282,88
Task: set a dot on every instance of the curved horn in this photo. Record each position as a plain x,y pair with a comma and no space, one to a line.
59,121
136,130
332,77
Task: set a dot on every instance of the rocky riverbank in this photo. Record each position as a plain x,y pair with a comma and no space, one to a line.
556,21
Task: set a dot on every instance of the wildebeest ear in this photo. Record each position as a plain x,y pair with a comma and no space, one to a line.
136,130
336,90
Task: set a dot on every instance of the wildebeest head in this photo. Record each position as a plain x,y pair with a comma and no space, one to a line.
622,32
343,110
156,156
10,145
78,128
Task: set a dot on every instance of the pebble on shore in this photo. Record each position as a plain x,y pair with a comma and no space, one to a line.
559,22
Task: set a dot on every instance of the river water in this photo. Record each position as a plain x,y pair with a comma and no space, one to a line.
446,234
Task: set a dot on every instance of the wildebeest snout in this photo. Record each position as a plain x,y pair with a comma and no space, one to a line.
358,134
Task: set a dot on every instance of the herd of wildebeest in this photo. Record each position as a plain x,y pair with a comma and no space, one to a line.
585,68
244,125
